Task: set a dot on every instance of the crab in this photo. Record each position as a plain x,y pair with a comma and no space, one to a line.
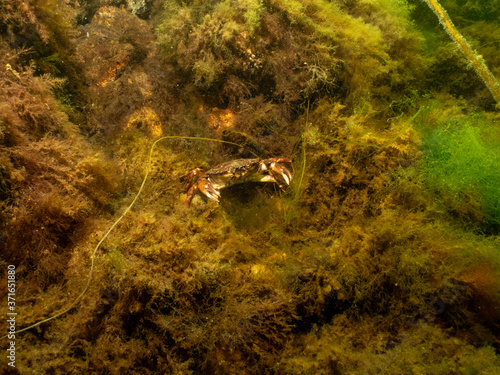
209,183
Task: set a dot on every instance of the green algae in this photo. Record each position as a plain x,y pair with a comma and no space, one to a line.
461,158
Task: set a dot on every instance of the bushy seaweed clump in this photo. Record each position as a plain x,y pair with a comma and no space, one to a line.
368,347
52,180
382,268
46,29
462,164
290,51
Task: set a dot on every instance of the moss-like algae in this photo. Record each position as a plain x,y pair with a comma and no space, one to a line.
286,50
462,163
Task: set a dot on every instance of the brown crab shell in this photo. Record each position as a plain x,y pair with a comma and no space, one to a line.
234,172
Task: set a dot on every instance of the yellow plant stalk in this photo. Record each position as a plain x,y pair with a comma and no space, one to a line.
475,59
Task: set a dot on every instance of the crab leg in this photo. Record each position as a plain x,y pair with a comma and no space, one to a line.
193,174
189,197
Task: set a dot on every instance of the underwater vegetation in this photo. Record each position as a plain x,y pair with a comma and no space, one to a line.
381,257
51,179
290,51
451,65
475,60
462,159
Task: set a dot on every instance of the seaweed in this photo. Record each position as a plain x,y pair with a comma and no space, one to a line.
381,256
289,51
449,64
474,59
44,31
461,163
56,181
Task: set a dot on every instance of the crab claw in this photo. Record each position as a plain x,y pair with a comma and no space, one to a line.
207,189
282,171
278,172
